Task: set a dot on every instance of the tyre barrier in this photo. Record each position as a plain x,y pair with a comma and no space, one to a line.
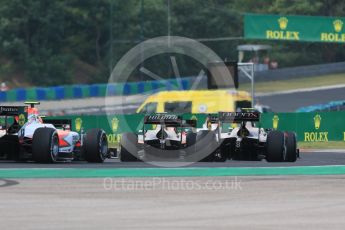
94,90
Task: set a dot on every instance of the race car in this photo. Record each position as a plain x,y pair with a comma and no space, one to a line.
163,137
246,141
31,137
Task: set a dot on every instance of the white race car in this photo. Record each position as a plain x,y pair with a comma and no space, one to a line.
30,138
163,136
246,141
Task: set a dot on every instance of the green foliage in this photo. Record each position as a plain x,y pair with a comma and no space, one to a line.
32,35
44,39
45,68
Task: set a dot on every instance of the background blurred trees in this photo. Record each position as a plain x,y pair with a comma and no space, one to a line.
45,42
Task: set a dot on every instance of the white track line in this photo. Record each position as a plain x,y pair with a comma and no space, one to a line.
302,90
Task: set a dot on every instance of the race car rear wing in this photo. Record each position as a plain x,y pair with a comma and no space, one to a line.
171,120
168,119
13,110
237,117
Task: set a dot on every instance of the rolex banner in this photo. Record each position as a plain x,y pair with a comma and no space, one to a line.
310,127
294,28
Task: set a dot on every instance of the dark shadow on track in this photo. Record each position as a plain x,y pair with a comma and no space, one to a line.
7,183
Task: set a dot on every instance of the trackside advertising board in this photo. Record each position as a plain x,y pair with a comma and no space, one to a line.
310,127
294,28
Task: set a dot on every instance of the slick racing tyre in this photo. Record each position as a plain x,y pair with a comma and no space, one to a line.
275,147
191,139
95,146
291,146
190,142
45,145
128,147
206,145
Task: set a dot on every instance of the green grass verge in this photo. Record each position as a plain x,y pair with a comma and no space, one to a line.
308,82
322,145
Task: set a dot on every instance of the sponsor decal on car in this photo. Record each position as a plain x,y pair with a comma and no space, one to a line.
21,119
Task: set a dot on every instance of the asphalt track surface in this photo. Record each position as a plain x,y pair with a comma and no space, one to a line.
306,159
292,101
198,202
265,202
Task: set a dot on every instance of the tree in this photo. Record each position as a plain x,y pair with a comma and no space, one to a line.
32,35
67,41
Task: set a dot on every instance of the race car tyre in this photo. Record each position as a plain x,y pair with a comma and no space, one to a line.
95,146
206,145
275,147
291,147
187,153
45,145
190,141
128,147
